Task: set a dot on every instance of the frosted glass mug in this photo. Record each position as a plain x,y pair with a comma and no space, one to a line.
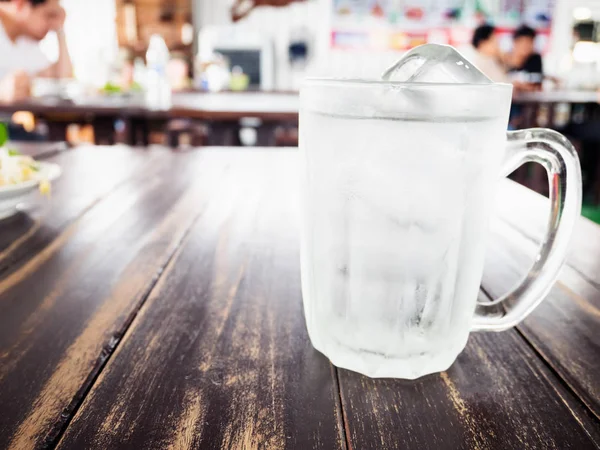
398,183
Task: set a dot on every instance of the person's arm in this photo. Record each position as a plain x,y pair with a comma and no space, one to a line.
63,68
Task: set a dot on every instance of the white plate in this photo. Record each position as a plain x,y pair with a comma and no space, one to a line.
14,194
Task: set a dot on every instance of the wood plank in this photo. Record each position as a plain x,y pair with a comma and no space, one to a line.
64,310
39,150
564,328
497,395
219,356
528,212
574,97
233,106
89,174
269,107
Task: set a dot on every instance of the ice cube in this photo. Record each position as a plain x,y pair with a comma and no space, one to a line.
435,63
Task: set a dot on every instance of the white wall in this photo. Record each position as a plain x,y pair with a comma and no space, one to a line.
562,34
91,34
557,62
279,24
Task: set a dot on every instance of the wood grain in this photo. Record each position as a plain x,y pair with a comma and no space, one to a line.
40,150
70,302
163,310
89,174
573,97
564,328
14,229
219,357
227,107
497,395
528,212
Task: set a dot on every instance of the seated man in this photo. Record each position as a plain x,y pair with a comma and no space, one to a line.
23,24
488,55
525,65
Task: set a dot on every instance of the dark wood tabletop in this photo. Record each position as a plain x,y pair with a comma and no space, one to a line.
154,302
224,106
560,96
40,150
229,106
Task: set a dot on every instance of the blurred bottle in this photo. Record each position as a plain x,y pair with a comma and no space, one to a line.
158,90
139,75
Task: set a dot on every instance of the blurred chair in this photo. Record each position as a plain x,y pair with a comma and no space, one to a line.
182,133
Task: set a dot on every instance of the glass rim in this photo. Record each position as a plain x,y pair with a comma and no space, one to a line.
400,84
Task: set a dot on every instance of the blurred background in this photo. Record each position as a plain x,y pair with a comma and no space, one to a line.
300,37
205,72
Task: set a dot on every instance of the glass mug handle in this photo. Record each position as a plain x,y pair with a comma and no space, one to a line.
553,151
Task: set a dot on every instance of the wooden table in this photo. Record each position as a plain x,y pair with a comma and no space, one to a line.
155,303
561,96
221,111
578,119
39,150
539,108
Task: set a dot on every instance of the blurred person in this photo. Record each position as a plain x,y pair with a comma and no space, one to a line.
23,24
489,60
488,55
524,64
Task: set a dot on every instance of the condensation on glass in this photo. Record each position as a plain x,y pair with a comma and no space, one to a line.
398,183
